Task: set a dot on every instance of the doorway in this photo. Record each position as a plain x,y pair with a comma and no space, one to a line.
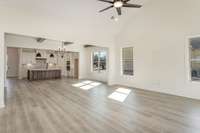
76,68
12,62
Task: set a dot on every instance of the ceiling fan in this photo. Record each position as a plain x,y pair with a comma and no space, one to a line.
118,4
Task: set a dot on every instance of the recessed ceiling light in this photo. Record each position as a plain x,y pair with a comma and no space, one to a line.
114,18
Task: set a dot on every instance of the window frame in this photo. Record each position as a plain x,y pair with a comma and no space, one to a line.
188,60
99,60
121,62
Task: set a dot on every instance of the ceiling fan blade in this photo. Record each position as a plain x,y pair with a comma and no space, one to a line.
111,2
126,1
132,5
106,8
119,11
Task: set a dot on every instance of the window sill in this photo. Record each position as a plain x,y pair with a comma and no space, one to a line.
103,71
129,77
195,82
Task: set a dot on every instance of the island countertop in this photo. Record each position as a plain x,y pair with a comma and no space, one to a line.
49,69
43,74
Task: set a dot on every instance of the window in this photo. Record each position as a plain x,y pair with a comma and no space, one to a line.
127,61
99,61
195,58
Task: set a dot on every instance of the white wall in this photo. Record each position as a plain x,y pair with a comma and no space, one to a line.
100,76
159,35
2,74
112,68
12,40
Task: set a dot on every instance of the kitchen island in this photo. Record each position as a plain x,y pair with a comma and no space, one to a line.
43,74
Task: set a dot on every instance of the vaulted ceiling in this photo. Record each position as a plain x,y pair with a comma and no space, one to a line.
74,19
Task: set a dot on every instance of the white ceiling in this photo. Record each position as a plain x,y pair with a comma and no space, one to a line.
80,14
64,8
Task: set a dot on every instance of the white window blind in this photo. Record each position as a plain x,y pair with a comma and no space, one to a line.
127,61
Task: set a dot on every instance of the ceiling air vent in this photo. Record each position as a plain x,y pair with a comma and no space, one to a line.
40,40
89,46
68,43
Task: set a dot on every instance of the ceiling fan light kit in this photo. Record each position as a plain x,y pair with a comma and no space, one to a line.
118,4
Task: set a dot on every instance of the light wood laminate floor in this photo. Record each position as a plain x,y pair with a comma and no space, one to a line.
54,106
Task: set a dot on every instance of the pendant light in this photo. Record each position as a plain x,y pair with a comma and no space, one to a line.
62,50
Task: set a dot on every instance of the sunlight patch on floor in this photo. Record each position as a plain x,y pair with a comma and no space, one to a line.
120,94
78,84
86,85
95,84
87,82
